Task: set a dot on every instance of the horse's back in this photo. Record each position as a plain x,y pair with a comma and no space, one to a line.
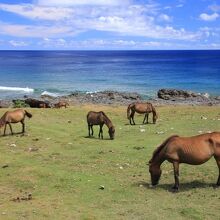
14,116
94,118
143,107
192,150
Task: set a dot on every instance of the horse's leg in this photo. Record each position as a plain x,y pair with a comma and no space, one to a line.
5,129
101,131
144,118
10,128
89,129
23,126
92,129
147,117
132,117
176,175
218,163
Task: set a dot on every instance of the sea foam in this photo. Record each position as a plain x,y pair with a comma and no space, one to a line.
19,89
53,94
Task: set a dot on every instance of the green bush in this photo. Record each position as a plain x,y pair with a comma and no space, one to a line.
20,104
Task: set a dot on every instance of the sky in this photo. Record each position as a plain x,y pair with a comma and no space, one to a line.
109,24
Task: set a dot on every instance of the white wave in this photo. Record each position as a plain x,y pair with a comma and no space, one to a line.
53,94
28,90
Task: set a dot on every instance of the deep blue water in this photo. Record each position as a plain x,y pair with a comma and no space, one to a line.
144,72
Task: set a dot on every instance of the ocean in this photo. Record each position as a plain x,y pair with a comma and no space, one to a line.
57,73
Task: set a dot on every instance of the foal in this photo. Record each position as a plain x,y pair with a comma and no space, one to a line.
14,117
100,118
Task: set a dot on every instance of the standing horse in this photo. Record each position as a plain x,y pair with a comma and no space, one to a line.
141,108
14,117
194,150
100,118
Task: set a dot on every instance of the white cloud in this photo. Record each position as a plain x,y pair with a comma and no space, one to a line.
38,12
214,7
207,17
35,31
18,43
165,17
59,22
81,2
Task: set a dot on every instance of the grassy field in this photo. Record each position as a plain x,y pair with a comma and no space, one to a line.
63,169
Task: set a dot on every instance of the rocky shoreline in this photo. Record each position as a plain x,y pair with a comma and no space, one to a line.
164,97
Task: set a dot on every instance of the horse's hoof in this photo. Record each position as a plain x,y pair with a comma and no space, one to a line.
175,189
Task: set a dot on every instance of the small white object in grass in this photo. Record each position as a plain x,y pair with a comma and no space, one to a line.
151,186
101,187
171,128
200,132
120,128
70,143
47,138
203,117
121,168
160,132
12,145
142,130
140,185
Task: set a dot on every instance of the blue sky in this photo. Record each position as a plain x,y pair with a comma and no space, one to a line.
109,24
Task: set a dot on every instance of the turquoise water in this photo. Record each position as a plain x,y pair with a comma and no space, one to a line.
63,72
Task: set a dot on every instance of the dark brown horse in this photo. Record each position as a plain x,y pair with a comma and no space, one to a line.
14,117
100,118
194,150
141,108
34,103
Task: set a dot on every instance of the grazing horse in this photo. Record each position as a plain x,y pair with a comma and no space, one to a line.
14,117
141,108
100,118
194,150
61,104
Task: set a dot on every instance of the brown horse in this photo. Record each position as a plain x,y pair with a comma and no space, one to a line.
141,108
194,150
14,117
61,104
100,118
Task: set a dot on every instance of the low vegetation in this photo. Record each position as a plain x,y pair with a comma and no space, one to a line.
55,171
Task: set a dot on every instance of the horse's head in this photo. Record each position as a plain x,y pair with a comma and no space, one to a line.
155,173
111,132
155,117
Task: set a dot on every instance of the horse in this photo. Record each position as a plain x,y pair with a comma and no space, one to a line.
61,104
34,103
193,150
100,118
14,117
141,108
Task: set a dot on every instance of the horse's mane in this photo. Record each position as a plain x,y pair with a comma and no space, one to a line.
160,147
106,117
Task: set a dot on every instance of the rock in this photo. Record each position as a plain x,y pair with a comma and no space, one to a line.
168,94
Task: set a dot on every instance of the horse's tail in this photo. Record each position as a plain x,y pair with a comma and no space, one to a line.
28,114
129,110
160,147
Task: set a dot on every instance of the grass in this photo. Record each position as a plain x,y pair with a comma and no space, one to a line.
63,169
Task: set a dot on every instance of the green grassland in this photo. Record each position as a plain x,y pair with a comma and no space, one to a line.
63,169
